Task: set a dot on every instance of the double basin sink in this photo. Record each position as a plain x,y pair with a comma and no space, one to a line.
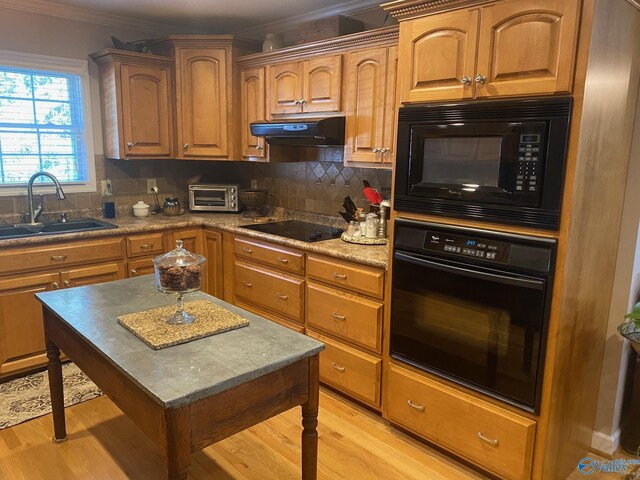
51,228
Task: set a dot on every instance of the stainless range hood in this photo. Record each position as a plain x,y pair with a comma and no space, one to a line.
303,133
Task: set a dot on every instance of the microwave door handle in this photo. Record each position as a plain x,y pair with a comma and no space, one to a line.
467,272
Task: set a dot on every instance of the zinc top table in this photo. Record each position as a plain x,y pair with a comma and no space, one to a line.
187,396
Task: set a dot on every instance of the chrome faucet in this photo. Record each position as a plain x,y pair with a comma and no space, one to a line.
34,213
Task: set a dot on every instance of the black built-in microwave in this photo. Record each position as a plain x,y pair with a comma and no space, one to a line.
498,160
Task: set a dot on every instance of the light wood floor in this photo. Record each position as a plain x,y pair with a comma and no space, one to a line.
354,444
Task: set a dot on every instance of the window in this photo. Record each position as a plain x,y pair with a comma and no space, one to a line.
44,122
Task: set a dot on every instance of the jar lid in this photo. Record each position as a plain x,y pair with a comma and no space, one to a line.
178,257
171,199
141,204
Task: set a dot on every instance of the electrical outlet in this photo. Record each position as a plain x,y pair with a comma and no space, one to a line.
151,183
103,187
254,183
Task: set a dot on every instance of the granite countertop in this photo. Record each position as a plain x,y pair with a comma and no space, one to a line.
183,373
371,255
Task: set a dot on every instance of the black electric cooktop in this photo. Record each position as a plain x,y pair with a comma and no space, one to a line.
297,230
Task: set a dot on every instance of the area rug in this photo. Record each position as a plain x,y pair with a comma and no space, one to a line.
28,397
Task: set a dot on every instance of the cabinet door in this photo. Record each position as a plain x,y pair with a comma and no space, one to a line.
322,82
527,47
146,111
106,272
436,54
253,110
388,151
284,88
21,331
139,266
365,104
202,102
213,252
191,240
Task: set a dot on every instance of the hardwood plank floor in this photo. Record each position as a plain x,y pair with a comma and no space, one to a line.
104,444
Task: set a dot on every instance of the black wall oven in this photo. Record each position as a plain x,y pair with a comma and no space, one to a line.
501,161
472,306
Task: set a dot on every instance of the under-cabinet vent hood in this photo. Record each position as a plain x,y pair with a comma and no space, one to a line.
304,133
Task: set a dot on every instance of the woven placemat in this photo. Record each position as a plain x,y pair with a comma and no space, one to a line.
150,327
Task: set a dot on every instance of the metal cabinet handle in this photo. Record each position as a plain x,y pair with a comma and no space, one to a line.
283,260
490,441
340,368
416,406
303,101
466,81
55,285
130,145
384,150
247,284
146,246
134,272
58,258
480,79
281,296
297,102
339,276
66,283
247,250
186,146
259,147
376,150
339,317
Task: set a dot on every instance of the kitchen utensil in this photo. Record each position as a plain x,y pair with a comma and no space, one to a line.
253,199
140,209
179,272
156,208
372,195
347,218
350,206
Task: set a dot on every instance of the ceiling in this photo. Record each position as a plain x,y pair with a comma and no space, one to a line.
218,16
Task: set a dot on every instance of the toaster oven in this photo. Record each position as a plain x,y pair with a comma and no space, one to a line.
213,198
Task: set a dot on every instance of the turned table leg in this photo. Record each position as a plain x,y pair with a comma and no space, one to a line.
54,369
178,442
310,424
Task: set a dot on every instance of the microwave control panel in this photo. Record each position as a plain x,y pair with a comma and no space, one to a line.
467,246
528,163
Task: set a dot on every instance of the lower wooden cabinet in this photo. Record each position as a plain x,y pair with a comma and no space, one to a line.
214,284
489,436
139,266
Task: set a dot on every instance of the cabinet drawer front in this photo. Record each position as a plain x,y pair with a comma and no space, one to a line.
62,254
494,438
352,277
353,318
281,294
350,370
148,244
284,259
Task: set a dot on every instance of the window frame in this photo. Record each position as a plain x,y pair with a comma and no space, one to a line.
59,65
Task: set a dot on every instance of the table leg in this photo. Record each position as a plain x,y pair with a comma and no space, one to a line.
178,443
310,423
54,369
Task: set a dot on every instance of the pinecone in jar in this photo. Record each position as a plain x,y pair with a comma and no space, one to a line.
172,278
193,274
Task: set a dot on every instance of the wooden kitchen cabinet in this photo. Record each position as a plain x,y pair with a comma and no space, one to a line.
370,105
192,240
140,266
253,110
309,86
136,104
508,48
215,272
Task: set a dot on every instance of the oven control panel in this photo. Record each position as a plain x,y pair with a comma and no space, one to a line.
467,246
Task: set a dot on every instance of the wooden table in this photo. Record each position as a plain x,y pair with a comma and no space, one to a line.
187,396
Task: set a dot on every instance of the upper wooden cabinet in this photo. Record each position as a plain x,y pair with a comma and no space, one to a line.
370,105
136,104
252,96
310,86
508,48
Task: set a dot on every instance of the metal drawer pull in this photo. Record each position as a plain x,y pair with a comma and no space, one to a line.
146,246
339,317
134,272
185,146
339,276
283,260
259,147
247,284
130,145
481,79
340,368
281,296
55,285
58,258
247,250
416,406
490,441
66,283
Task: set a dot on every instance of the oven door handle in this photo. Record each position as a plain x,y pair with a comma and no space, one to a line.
467,272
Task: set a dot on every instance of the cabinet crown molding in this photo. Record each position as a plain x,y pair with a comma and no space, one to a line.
207,41
109,55
406,9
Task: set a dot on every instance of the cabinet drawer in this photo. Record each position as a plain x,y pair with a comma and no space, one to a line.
350,370
353,318
61,254
352,277
284,259
147,244
491,437
274,291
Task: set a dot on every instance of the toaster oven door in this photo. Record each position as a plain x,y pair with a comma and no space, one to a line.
210,199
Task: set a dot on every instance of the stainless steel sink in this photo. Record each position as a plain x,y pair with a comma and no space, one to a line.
50,228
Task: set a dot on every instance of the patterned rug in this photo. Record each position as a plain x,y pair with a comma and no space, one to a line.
28,397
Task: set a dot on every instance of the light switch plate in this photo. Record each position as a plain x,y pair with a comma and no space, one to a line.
103,187
254,183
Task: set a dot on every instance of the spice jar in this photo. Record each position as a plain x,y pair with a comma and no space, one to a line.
371,225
